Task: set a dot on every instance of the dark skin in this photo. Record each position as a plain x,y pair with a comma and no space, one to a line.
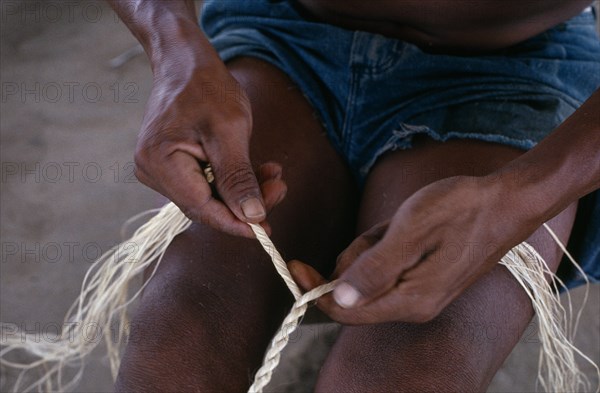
396,284
187,122
442,25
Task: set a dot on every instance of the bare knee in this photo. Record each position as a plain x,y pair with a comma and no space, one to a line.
403,357
205,317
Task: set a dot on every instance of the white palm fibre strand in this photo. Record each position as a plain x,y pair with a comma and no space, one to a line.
105,296
103,301
558,370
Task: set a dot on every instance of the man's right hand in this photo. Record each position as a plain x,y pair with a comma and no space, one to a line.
194,117
197,112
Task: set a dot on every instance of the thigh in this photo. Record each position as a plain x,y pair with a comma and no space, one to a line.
206,316
463,347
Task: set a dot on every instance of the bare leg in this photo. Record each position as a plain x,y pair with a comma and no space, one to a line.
206,317
464,346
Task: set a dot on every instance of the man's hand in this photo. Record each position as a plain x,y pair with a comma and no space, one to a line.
441,240
194,117
197,112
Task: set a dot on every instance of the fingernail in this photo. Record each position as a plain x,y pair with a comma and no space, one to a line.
252,208
345,295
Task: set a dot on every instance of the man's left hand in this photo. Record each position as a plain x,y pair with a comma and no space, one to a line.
441,240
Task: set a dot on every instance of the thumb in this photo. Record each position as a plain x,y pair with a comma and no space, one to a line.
372,274
237,185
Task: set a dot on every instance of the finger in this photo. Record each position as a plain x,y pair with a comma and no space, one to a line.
396,306
362,243
236,183
267,227
391,308
273,189
270,170
375,271
185,185
305,276
416,302
218,216
328,305
273,192
424,291
355,316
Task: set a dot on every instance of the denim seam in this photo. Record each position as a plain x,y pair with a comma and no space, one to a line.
349,108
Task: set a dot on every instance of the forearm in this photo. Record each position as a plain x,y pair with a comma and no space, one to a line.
561,169
169,33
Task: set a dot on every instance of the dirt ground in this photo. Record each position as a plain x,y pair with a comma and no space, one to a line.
68,122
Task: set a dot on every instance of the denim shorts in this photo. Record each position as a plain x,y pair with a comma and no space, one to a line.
374,94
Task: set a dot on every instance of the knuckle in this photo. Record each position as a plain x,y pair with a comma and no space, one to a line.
146,153
198,213
139,174
425,311
376,232
140,157
235,122
422,317
140,168
204,216
241,124
371,273
191,214
238,178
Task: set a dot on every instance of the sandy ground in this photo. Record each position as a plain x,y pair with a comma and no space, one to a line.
68,128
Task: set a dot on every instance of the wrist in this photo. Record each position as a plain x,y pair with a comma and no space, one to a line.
173,40
181,46
559,170
529,192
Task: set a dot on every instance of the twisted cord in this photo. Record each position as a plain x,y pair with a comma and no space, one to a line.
281,338
277,259
104,298
558,368
292,320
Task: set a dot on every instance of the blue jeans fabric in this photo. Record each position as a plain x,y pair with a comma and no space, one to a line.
374,94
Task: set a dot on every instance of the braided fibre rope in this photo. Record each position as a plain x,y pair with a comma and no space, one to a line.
558,369
104,299
277,260
292,320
